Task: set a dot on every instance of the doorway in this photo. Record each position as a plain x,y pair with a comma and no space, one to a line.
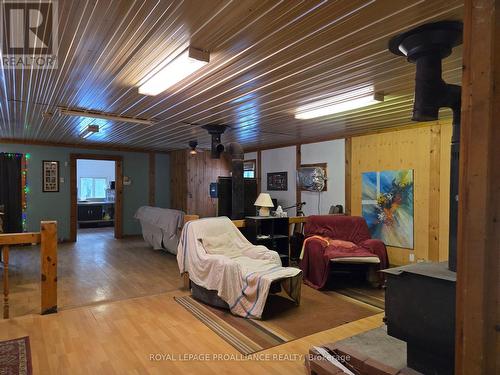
96,195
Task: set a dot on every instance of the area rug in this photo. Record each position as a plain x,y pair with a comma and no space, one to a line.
367,294
283,321
15,357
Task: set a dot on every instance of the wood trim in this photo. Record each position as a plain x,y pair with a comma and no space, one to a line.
348,175
434,192
259,172
118,159
298,162
48,267
19,238
152,178
5,259
91,146
119,197
478,281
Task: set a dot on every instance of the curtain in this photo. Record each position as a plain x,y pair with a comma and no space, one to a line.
11,192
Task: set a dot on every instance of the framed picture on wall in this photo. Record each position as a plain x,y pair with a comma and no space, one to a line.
307,170
50,176
277,181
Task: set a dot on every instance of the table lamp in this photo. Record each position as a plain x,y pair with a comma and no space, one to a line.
264,202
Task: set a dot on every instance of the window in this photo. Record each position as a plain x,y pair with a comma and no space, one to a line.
93,187
249,169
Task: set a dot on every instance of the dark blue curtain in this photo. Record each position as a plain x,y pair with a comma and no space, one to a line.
11,192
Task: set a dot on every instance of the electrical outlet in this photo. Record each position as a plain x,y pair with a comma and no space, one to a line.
411,257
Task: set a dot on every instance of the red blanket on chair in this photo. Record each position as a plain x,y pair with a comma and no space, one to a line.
322,245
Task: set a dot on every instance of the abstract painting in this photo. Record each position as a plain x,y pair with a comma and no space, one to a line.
387,206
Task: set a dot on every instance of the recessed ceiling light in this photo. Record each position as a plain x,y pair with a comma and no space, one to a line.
339,103
188,62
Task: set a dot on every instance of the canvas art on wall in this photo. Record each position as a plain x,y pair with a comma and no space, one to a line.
387,206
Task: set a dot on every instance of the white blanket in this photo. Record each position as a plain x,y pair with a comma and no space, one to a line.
240,272
160,227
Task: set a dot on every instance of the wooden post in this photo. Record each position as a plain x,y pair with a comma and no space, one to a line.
298,163
258,173
434,191
348,175
5,257
478,267
48,266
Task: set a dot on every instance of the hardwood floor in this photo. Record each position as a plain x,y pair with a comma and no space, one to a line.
95,269
119,338
117,309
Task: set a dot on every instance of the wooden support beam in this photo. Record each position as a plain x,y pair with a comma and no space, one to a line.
298,163
348,175
19,238
478,267
152,178
434,192
5,258
259,172
48,266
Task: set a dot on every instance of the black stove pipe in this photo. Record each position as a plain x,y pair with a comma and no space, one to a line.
432,93
237,158
426,46
237,182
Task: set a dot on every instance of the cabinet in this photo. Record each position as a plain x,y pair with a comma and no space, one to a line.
95,214
271,232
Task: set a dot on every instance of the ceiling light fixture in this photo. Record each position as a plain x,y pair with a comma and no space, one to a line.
188,62
91,129
104,115
339,103
192,146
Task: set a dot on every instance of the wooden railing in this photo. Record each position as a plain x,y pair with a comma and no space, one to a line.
47,238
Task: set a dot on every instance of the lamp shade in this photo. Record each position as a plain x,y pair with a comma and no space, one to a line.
264,200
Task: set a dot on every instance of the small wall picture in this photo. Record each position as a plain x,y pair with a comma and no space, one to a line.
277,181
50,176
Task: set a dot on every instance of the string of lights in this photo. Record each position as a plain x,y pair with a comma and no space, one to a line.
24,185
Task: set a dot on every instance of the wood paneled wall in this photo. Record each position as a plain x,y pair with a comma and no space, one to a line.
426,150
191,176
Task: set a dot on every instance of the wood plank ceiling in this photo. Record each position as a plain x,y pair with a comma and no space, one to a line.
267,58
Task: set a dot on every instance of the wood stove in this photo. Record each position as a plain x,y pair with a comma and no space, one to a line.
420,298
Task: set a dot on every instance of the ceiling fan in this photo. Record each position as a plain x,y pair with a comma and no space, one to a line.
193,148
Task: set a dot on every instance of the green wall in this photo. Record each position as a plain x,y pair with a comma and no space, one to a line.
162,175
56,206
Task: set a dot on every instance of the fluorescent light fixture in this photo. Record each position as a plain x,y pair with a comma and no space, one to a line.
78,112
340,103
188,62
91,129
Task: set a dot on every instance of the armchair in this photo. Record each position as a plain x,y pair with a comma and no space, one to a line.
337,239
